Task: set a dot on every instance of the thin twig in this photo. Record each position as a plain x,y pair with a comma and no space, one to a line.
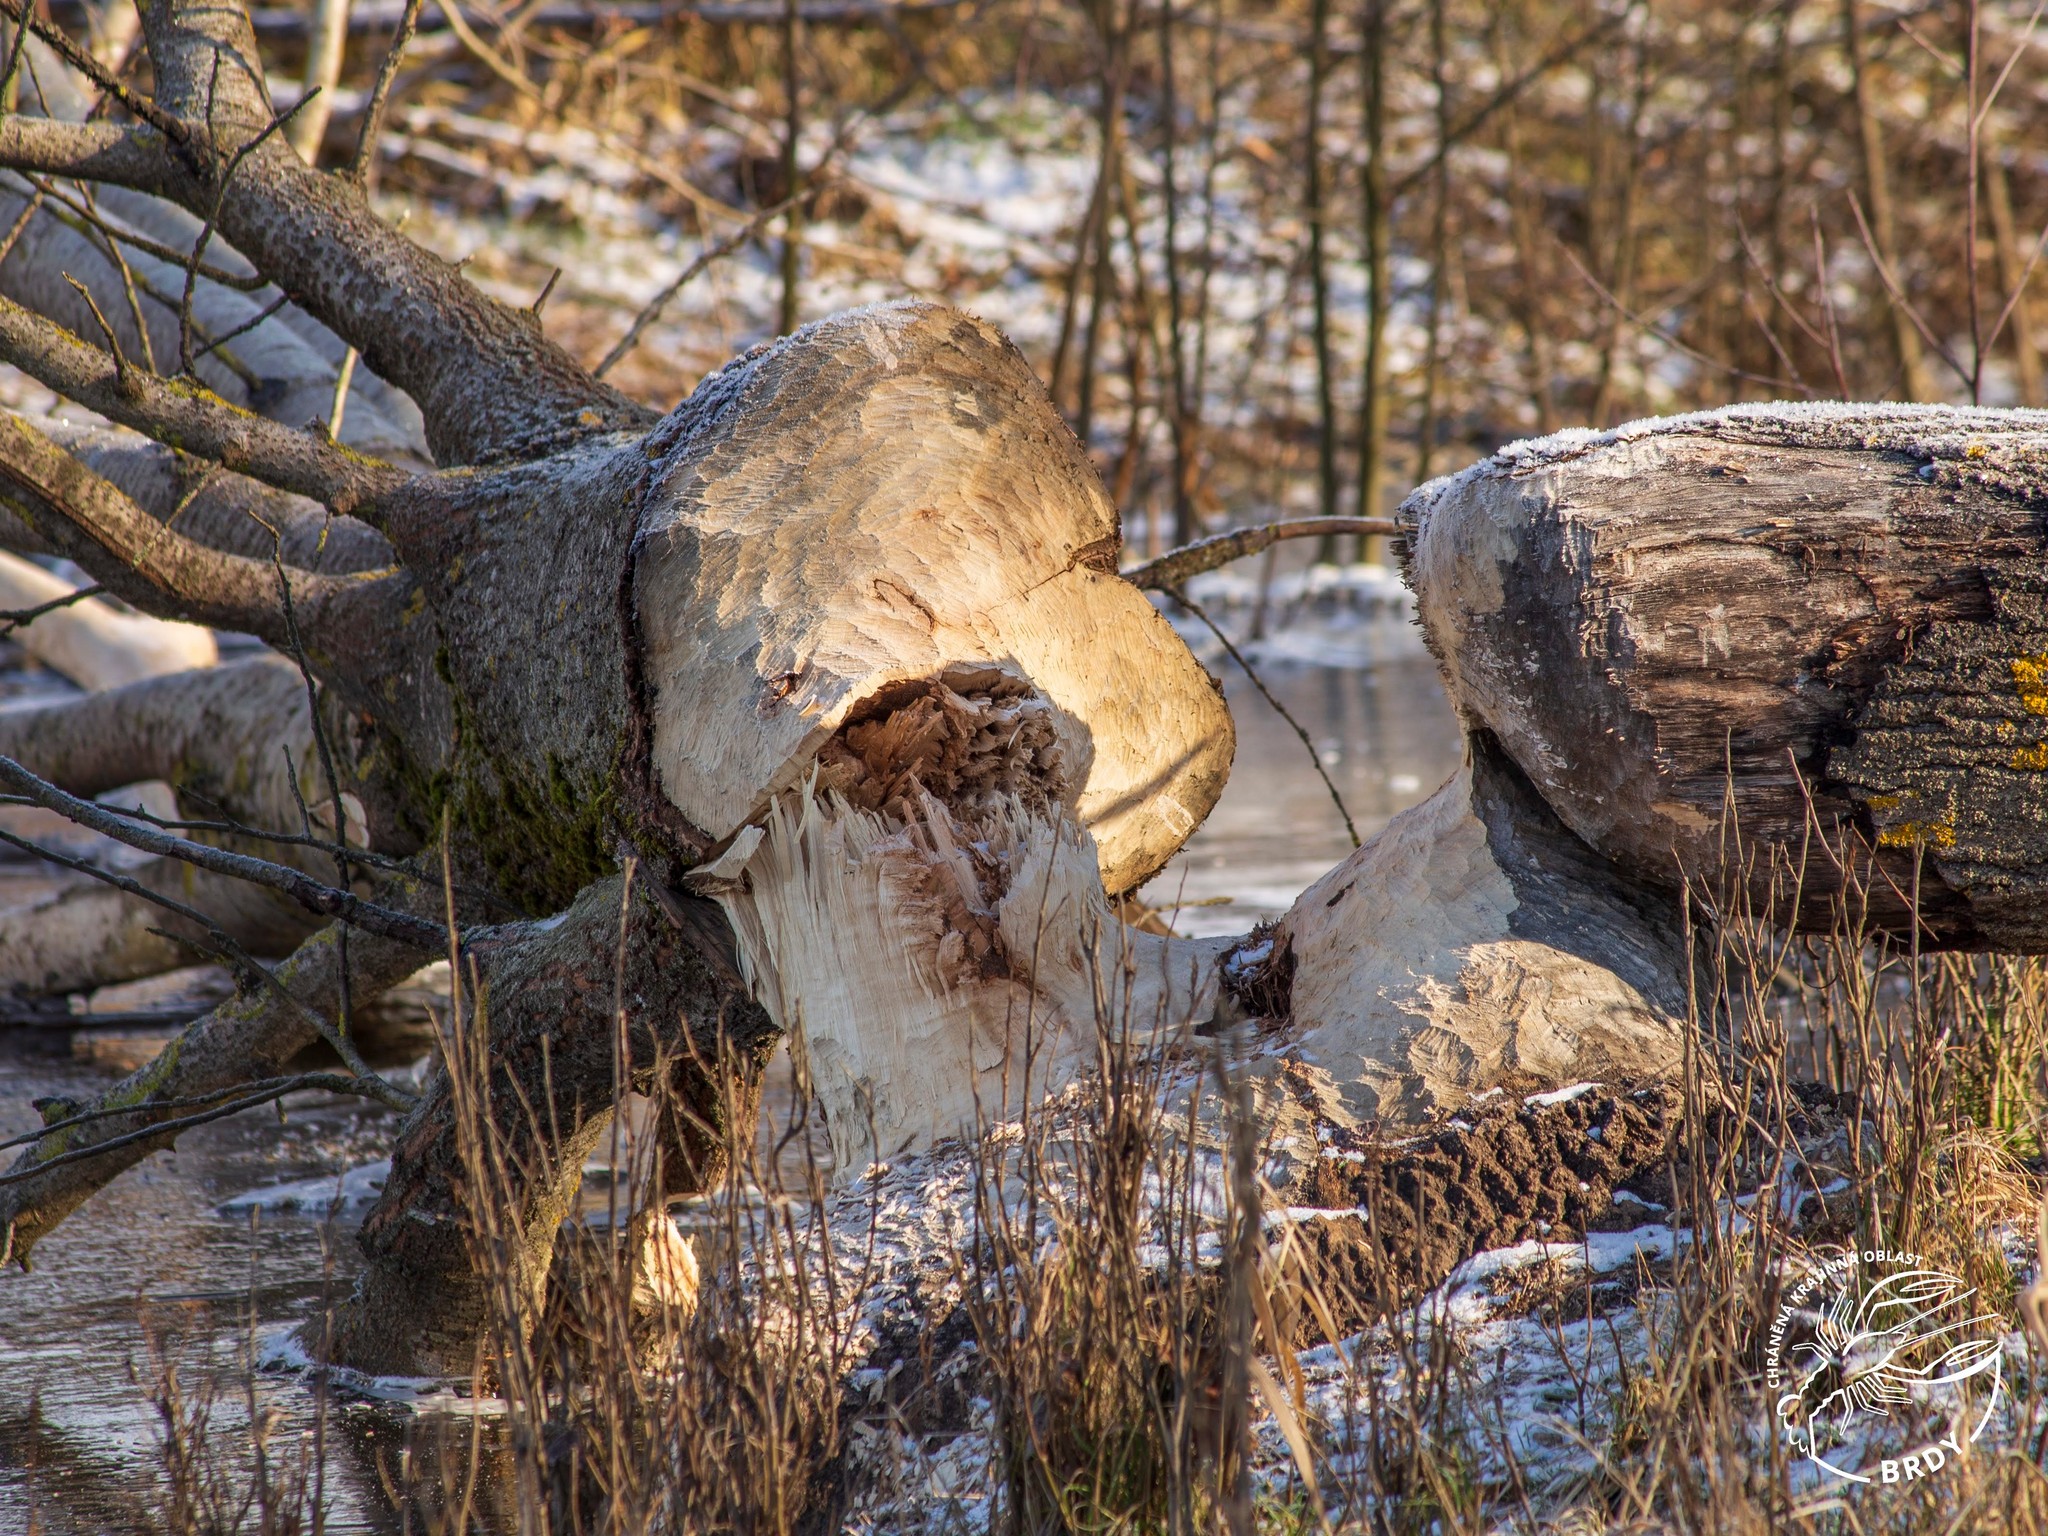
325,900
1177,565
362,1088
1827,304
220,197
269,1087
1898,294
12,619
106,331
241,282
29,210
1665,336
2018,289
15,54
358,170
113,250
337,410
320,741
1314,757
226,948
243,329
83,61
651,312
229,827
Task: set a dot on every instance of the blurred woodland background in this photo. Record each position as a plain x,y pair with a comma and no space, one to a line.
1276,257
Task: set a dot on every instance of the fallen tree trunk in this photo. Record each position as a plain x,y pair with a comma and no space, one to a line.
1789,624
841,644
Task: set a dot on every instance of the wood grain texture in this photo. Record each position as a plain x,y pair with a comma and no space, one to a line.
884,498
936,976
1710,610
1473,942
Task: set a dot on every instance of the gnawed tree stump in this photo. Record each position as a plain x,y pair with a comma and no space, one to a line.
1474,942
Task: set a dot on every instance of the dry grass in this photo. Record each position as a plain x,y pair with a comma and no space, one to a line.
1124,1328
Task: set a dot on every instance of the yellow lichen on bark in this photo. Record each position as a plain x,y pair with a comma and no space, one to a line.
2030,677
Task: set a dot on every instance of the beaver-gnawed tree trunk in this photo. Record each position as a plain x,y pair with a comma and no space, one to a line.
818,706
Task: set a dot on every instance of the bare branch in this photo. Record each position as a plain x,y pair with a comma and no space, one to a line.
194,261
240,282
101,77
1897,293
12,619
487,379
225,948
252,1095
119,154
358,170
194,418
1177,565
232,828
1315,758
651,311
247,1037
313,895
149,559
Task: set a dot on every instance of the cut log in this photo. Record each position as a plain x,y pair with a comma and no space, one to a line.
88,641
885,502
1827,620
907,696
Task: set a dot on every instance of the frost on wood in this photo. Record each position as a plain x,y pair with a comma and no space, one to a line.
886,499
1729,611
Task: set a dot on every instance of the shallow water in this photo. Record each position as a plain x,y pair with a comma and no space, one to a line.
1386,738
150,1275
154,1271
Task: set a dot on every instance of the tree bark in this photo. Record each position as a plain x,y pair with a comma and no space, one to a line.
616,978
841,643
1825,622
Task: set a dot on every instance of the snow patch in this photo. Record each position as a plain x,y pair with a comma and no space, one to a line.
356,1186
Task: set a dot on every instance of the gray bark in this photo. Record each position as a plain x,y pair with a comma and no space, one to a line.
555,1008
1826,620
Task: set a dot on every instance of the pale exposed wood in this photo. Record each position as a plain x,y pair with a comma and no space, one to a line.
1471,943
88,641
934,975
883,499
83,935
